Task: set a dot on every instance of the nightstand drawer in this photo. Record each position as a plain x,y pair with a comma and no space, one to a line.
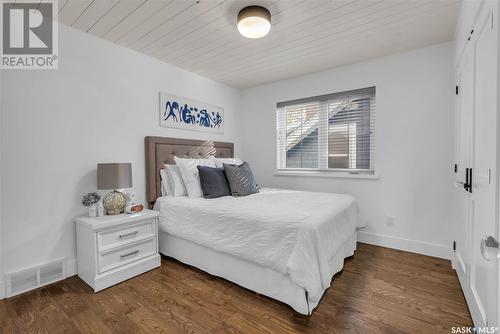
125,234
116,258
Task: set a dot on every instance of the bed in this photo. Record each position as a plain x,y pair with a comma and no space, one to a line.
283,244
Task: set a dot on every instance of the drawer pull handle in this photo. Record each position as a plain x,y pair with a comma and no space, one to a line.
129,254
127,235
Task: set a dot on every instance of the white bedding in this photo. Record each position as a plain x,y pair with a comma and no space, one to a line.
293,232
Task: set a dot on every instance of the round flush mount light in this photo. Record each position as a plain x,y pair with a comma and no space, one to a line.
254,22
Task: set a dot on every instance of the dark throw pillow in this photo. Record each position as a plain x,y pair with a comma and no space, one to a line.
241,180
213,182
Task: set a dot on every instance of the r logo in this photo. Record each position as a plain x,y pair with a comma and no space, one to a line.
27,28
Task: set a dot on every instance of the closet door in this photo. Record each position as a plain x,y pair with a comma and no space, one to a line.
464,115
476,252
484,198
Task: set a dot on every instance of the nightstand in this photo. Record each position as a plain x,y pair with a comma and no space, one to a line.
112,249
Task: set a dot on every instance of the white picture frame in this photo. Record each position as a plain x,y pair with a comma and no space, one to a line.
187,114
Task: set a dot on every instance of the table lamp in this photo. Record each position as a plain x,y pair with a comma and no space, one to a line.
114,176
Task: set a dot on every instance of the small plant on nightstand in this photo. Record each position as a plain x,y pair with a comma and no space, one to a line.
90,200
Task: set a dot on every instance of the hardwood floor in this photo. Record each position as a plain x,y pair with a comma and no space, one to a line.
380,290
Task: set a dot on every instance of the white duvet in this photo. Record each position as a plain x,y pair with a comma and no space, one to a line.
292,232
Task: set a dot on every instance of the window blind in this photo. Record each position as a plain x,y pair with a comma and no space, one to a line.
327,132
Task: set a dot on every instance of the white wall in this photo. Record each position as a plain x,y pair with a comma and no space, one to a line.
97,107
414,144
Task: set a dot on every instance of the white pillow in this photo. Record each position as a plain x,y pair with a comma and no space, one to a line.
176,185
219,162
190,175
166,189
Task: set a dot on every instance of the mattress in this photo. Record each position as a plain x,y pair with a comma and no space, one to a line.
294,233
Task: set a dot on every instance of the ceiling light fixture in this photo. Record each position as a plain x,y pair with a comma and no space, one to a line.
254,22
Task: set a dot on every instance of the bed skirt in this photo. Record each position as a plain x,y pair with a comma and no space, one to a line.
260,279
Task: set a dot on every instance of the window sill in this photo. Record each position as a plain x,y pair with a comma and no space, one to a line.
327,174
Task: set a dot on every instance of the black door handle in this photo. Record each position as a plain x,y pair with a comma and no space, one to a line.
466,184
470,180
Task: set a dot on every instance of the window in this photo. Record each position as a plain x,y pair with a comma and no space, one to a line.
333,132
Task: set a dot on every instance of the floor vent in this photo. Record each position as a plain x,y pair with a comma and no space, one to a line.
35,277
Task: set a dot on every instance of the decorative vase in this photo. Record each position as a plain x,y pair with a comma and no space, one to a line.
92,211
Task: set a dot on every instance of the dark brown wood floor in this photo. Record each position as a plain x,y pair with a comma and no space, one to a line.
380,290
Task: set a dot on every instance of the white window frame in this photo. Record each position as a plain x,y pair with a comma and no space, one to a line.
323,170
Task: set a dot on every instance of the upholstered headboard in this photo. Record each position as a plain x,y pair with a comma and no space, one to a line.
161,150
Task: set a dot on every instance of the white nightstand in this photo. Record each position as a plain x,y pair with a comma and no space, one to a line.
112,249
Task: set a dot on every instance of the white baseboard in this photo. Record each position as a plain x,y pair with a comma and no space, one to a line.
71,268
2,288
414,246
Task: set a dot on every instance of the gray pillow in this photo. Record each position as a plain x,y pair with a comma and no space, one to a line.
241,180
213,182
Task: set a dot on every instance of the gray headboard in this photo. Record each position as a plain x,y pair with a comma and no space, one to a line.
161,150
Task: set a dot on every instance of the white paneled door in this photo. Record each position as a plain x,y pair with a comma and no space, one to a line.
464,118
484,275
477,140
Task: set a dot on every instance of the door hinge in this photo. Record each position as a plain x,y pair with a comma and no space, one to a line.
470,35
454,245
456,90
456,168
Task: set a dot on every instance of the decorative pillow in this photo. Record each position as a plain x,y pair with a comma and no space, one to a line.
166,189
175,185
190,176
241,180
213,182
219,162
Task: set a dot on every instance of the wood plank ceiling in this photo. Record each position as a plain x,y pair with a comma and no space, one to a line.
306,36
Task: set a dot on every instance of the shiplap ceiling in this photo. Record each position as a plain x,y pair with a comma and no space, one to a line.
306,36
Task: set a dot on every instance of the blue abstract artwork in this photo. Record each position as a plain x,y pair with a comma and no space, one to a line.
183,113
